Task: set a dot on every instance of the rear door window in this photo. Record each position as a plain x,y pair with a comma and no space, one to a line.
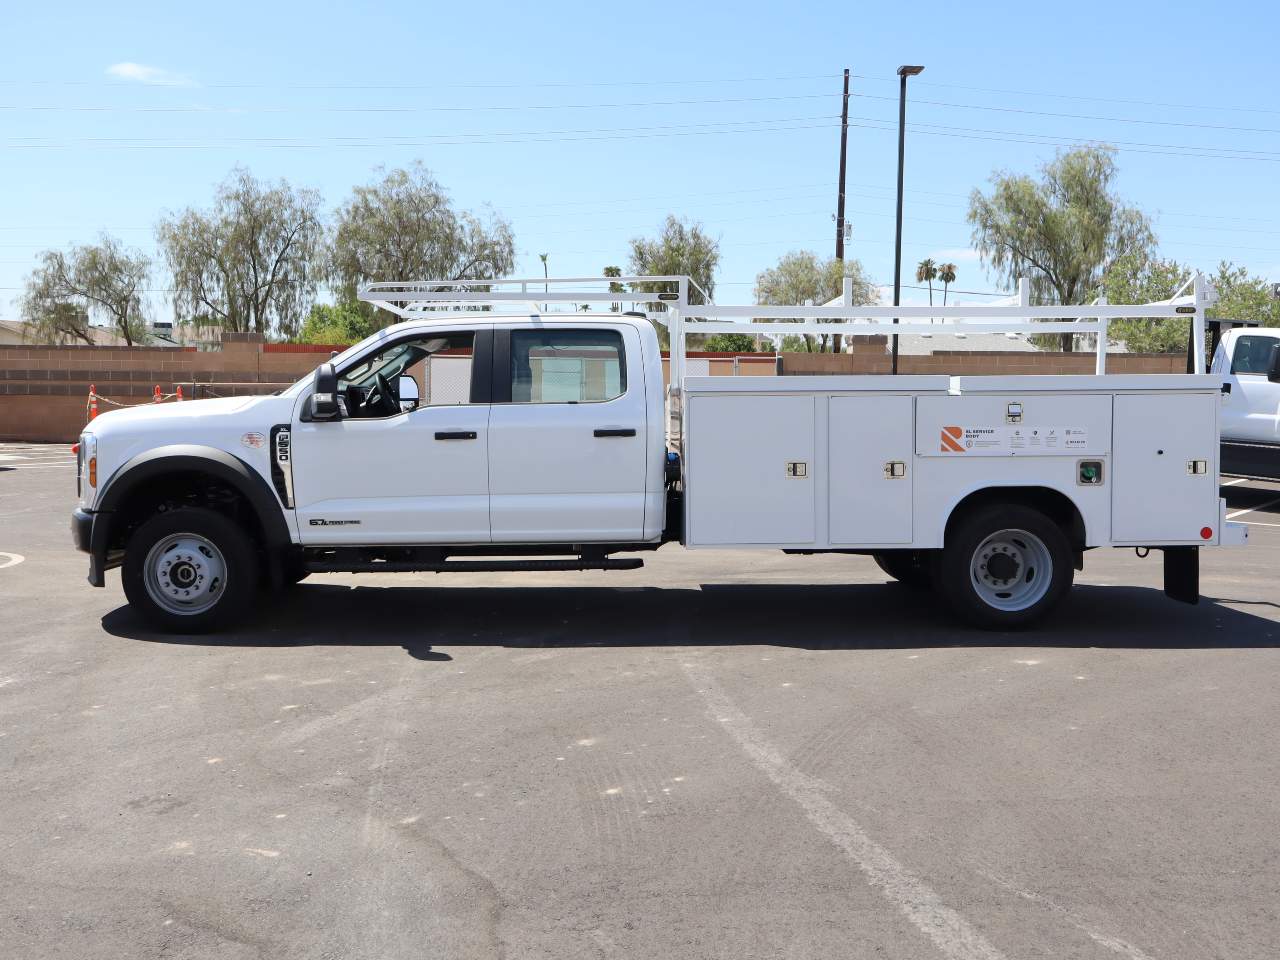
567,366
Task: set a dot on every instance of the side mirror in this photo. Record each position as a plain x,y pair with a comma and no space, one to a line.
324,395
408,388
1273,371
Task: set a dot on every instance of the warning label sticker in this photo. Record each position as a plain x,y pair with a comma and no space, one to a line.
1013,439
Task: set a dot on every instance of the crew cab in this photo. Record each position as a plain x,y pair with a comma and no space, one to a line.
510,440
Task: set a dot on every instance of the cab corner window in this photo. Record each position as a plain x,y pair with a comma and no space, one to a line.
1253,355
567,366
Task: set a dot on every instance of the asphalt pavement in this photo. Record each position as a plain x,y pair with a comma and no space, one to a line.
719,755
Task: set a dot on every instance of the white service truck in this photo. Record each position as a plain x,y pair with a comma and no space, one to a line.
489,433
1247,358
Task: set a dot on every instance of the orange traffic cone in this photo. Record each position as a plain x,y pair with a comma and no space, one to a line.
178,388
93,401
156,398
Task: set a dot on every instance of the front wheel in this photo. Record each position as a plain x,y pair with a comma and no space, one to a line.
1005,566
190,570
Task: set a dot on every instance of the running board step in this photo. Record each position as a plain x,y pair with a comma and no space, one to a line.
470,566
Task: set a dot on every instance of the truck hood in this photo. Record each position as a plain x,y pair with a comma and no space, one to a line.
167,416
239,426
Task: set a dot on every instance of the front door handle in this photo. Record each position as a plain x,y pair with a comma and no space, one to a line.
455,434
615,431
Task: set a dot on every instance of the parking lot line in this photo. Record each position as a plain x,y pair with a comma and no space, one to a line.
950,932
1232,483
1261,506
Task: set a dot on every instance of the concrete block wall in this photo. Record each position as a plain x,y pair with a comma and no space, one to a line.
43,390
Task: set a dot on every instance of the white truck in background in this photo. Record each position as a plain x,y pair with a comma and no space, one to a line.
566,449
1247,358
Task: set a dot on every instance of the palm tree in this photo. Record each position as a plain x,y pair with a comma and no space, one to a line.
947,274
926,272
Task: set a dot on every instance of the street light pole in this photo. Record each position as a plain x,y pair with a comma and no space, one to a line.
903,73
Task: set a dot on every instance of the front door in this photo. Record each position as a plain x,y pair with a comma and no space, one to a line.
411,472
1252,410
567,436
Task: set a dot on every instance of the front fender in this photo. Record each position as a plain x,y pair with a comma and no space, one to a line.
185,458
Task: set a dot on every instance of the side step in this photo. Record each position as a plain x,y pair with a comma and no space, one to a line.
469,566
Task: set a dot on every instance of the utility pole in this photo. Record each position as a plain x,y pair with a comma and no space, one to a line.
903,73
844,147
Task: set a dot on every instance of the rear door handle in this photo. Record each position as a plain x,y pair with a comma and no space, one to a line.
615,431
455,434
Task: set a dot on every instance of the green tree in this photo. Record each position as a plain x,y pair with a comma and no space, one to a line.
339,324
679,248
1143,278
803,277
247,263
730,343
614,287
1137,279
927,272
1244,297
68,289
404,227
947,274
1062,232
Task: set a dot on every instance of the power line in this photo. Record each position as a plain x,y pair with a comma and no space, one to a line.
395,85
482,108
1217,108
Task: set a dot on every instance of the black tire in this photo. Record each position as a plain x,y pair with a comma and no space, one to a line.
223,574
909,567
1029,592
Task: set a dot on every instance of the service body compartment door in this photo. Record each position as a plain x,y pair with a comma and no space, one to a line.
869,443
750,470
1014,425
1165,470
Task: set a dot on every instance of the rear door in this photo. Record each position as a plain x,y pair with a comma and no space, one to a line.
1165,484
567,435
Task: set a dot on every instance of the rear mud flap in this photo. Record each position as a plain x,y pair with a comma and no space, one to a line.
1182,574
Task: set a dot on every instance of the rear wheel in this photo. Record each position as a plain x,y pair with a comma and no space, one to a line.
908,567
1005,566
190,570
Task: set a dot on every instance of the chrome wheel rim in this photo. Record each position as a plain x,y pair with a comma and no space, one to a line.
1011,570
185,574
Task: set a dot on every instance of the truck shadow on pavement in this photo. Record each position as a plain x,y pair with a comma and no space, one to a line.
812,617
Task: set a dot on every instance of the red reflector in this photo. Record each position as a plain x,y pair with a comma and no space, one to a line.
1206,533
75,448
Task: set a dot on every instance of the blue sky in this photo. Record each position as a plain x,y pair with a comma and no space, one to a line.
585,125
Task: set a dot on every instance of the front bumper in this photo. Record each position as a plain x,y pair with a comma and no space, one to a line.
82,529
83,524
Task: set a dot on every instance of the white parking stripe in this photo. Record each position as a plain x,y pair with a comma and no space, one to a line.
1232,483
10,559
950,932
1261,506
1122,947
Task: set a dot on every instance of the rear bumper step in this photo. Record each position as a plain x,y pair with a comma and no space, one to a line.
469,566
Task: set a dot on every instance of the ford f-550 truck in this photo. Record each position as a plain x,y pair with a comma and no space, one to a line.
485,432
